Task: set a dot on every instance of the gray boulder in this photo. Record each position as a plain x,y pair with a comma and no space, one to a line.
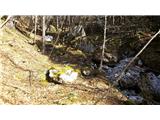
130,78
150,86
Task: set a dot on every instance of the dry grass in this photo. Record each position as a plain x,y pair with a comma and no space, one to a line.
17,56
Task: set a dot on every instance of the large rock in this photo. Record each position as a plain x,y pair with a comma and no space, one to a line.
61,75
69,76
150,86
130,78
133,97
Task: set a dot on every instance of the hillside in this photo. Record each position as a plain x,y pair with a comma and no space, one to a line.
22,77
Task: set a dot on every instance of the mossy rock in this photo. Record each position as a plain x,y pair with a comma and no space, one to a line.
63,74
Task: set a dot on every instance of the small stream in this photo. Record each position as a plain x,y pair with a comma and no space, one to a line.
138,82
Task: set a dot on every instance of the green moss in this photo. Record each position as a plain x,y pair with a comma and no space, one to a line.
62,70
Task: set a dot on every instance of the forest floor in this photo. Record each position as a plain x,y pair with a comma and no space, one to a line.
22,73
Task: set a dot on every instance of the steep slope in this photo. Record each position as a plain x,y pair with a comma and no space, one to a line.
21,65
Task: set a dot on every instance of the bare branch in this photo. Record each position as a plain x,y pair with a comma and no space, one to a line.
123,72
3,24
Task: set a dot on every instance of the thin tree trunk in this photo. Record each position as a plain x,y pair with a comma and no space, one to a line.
123,72
104,42
69,20
59,32
43,34
35,29
113,20
57,22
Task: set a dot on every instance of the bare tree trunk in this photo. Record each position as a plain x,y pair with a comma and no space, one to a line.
35,29
69,20
113,20
43,34
123,72
63,22
57,22
104,42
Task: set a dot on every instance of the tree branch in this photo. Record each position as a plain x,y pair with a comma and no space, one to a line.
3,24
132,60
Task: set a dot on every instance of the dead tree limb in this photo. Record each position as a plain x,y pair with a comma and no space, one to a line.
132,60
3,24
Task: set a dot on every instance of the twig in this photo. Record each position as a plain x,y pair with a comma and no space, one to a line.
123,72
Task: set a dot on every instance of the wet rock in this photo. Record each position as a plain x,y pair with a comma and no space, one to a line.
133,96
130,78
150,86
136,99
